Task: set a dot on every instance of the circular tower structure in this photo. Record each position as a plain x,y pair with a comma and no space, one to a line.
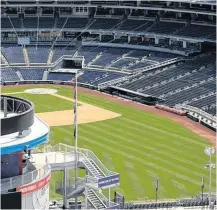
24,180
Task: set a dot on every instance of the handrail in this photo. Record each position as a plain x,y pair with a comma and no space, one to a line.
16,181
100,198
80,183
89,154
198,111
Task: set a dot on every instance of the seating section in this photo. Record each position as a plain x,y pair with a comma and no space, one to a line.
104,23
6,22
8,74
60,51
47,22
39,55
71,22
60,76
13,53
89,53
189,83
97,77
165,27
197,31
109,55
161,27
137,25
30,22
32,73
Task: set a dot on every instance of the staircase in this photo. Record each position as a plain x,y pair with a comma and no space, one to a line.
26,57
92,168
95,200
45,75
19,75
95,59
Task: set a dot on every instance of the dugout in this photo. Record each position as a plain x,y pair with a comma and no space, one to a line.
132,95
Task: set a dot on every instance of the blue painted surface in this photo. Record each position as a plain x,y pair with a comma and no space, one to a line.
9,165
30,144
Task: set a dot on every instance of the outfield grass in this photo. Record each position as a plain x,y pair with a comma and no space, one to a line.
139,145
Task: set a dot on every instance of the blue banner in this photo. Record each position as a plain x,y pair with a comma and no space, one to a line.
109,181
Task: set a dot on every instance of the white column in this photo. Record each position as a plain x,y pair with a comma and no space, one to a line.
128,38
184,44
66,177
156,40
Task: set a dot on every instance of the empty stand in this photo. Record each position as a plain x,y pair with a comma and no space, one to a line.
32,73
13,53
60,76
39,55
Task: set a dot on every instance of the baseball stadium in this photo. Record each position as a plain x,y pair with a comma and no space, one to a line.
108,104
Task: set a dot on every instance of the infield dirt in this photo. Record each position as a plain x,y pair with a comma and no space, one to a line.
86,114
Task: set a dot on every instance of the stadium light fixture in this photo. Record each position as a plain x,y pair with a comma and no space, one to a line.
210,151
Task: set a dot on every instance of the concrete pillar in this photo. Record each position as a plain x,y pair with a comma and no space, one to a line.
100,37
128,38
184,44
66,184
138,2
156,40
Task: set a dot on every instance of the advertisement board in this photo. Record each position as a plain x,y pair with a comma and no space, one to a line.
109,181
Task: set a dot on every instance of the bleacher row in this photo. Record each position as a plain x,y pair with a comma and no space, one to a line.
88,77
101,57
161,27
192,83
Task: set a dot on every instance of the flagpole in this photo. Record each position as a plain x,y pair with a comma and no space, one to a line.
76,133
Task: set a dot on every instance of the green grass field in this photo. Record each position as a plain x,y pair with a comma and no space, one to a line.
139,145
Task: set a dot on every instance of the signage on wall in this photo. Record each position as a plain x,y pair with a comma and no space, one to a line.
34,186
109,181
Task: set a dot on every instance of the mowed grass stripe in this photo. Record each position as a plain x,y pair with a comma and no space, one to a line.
146,137
180,177
143,132
141,137
151,154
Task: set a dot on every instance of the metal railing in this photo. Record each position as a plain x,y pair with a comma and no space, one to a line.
197,111
21,180
79,184
70,150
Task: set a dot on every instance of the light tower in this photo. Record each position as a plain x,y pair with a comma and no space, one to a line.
210,151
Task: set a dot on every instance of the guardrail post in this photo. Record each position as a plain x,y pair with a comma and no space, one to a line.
86,205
